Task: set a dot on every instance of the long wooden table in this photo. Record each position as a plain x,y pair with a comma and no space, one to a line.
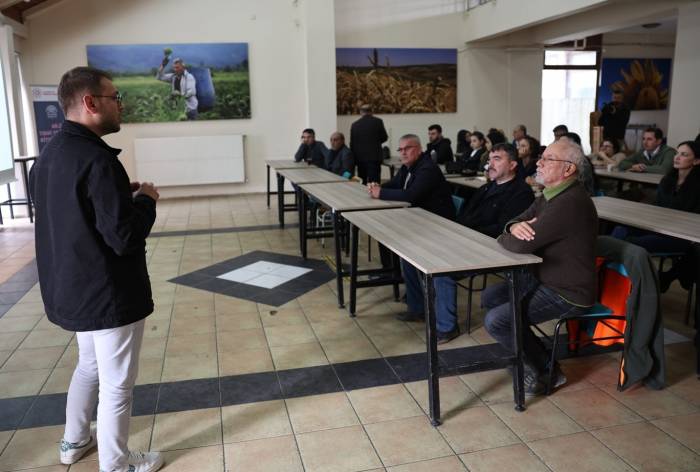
339,199
472,182
296,176
280,164
621,176
439,247
679,224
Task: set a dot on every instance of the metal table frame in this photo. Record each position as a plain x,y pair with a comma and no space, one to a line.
513,276
340,233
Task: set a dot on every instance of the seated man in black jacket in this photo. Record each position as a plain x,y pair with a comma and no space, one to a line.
502,199
311,151
439,148
421,182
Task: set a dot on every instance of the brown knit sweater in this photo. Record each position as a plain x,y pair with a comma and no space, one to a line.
565,239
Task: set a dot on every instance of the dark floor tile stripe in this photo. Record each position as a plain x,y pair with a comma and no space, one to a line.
12,410
236,229
169,397
249,388
309,381
17,286
365,374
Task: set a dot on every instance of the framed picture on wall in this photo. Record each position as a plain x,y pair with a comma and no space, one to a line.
644,82
177,82
396,80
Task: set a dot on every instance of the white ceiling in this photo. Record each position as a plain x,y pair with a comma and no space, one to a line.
668,26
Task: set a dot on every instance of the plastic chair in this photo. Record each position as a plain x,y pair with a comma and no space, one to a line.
604,324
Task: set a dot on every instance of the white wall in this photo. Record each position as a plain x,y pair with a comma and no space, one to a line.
684,117
497,87
275,31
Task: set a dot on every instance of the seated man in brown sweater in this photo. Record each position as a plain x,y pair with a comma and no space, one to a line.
560,227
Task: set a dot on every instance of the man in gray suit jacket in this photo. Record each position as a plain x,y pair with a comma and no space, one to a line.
366,137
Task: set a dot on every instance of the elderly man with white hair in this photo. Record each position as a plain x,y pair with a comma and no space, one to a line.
561,227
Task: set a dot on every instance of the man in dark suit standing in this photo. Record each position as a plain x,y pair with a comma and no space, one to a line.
366,137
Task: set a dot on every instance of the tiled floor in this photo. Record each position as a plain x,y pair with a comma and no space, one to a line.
231,384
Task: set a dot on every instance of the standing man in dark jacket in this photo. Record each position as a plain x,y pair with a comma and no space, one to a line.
439,148
311,151
366,137
421,182
500,200
614,118
90,250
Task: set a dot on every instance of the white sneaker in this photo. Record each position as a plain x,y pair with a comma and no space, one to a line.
143,462
72,452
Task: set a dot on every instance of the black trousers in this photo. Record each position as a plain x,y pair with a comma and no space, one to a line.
369,171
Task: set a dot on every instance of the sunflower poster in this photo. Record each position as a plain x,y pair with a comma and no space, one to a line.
644,82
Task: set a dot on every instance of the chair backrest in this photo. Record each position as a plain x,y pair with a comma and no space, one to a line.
615,289
458,203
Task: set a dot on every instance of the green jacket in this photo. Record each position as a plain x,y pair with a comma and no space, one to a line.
661,163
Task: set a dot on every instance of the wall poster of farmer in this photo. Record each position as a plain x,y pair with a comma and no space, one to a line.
177,82
643,82
396,80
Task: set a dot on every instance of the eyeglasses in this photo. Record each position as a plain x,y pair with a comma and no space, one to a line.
406,148
549,159
117,96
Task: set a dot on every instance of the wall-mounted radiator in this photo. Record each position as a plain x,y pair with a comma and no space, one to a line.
192,160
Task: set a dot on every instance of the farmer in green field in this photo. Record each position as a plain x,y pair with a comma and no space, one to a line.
183,84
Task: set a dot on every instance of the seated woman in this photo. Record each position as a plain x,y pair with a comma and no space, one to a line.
528,147
463,144
680,190
608,155
478,146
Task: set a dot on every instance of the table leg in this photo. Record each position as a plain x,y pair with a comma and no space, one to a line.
9,198
354,236
303,220
431,339
337,233
25,175
280,200
268,186
514,277
396,274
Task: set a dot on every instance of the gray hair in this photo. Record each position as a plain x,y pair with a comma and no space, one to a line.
573,153
410,137
177,60
366,108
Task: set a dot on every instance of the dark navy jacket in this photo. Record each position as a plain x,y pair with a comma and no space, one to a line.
493,205
426,188
314,154
90,234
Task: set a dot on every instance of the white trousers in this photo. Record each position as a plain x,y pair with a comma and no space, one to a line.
108,361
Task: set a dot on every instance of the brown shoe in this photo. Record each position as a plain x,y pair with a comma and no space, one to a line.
443,338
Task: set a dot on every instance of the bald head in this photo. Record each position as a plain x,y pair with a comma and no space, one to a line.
337,140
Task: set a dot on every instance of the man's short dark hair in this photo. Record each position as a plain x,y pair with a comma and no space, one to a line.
437,127
479,135
658,134
522,128
574,137
77,81
495,136
508,148
309,131
562,128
